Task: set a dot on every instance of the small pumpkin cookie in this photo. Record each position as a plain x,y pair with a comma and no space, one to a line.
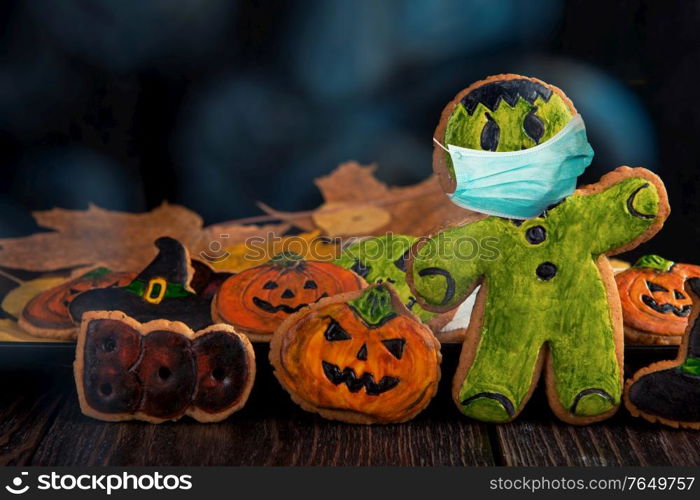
257,300
161,291
161,370
360,357
47,316
655,307
668,392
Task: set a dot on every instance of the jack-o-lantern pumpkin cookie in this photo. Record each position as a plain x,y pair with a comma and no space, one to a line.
257,300
161,370
161,291
47,316
655,306
668,391
360,357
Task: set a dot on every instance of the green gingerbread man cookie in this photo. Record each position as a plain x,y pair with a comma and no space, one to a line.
548,297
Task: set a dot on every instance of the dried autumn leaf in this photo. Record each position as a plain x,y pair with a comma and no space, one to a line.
346,219
258,250
118,240
212,245
418,210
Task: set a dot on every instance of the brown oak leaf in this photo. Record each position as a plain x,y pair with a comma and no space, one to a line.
352,188
118,240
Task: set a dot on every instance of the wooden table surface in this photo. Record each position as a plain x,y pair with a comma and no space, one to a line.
41,424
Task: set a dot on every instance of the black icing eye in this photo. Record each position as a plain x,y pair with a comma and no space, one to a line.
395,347
401,261
533,126
653,287
310,285
678,295
335,332
359,268
490,134
270,285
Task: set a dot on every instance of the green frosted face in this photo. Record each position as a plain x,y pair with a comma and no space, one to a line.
507,115
383,260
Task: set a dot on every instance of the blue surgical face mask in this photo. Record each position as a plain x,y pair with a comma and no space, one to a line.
521,184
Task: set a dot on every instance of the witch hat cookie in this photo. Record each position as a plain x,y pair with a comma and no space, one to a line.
668,392
161,291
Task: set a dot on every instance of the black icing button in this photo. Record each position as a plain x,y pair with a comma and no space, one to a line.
546,271
536,235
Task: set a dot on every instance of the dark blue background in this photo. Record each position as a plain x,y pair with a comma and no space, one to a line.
216,104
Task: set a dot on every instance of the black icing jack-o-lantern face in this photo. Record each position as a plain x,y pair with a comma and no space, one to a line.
257,300
652,296
357,381
286,296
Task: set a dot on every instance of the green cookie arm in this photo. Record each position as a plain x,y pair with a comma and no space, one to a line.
615,216
447,266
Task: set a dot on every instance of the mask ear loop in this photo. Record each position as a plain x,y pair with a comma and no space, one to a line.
438,143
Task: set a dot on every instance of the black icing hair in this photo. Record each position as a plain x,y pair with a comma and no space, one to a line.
490,94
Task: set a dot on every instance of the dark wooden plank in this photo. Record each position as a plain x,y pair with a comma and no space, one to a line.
28,404
270,430
621,440
294,440
537,438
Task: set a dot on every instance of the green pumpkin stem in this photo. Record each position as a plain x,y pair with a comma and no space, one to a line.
287,259
654,262
374,306
97,273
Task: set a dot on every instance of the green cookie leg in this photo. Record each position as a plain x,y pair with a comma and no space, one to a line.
502,373
584,363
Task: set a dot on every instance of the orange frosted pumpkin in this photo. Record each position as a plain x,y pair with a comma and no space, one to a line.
361,357
257,300
46,315
655,306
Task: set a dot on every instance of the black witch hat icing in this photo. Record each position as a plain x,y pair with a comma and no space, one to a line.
669,391
160,291
171,263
